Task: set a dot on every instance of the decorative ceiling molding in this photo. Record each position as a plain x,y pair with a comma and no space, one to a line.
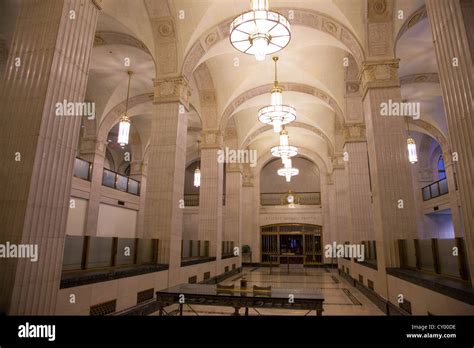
302,17
432,131
419,78
115,38
416,17
164,35
312,129
288,87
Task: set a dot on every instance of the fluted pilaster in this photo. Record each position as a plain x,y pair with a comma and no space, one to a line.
54,51
450,22
163,217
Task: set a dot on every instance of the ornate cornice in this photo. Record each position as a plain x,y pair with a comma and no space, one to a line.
171,90
379,74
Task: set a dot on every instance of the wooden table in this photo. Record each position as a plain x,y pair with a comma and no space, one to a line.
207,294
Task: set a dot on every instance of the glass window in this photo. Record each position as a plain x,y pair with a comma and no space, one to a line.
441,169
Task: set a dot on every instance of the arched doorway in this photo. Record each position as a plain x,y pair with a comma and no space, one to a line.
291,243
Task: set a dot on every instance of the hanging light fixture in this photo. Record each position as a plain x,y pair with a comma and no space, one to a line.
284,151
277,114
124,125
411,145
259,31
288,171
197,173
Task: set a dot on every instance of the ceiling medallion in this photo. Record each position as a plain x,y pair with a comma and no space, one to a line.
277,114
260,32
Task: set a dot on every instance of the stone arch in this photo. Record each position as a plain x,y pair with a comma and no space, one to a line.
287,86
315,130
302,17
113,116
302,152
416,17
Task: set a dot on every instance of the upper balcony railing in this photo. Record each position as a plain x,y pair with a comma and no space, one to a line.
120,182
192,200
83,169
435,256
436,189
301,198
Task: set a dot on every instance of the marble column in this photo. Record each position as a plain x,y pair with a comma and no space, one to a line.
38,147
392,187
343,212
138,169
93,150
233,208
451,25
360,196
163,214
250,210
210,193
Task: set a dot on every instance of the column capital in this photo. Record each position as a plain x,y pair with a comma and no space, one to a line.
234,168
247,179
212,139
379,74
354,133
91,145
137,167
338,161
172,90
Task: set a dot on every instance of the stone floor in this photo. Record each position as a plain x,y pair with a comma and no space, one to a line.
340,297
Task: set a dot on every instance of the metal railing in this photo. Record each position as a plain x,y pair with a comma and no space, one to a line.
436,189
87,252
82,169
301,198
192,200
227,248
434,256
120,182
194,249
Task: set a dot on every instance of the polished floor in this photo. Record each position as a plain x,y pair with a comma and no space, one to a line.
341,298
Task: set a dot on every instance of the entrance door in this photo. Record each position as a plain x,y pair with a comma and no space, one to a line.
302,241
291,244
270,248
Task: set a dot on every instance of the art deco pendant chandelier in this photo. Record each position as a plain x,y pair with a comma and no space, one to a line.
284,150
411,146
260,31
277,114
197,171
288,171
124,125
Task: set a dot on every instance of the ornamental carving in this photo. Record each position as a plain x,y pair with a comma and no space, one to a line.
354,133
378,10
172,90
380,74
